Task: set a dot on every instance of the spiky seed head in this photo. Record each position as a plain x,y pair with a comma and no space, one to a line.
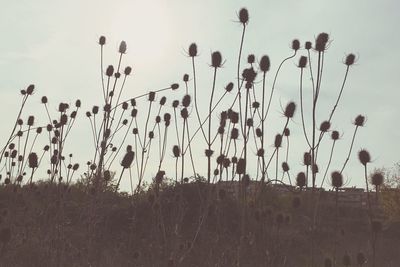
251,59
135,131
307,159
226,163
110,71
185,77
337,179
78,103
11,146
20,133
186,101
308,45
209,153
285,166
256,104
229,87
175,103
377,179
246,180
264,64
260,152
321,42
234,160
167,117
127,70
158,119
216,172
46,148
249,75
176,151
102,40
75,167
301,179
159,176
107,175
63,119
20,122
241,166
33,160
221,130
128,159
216,59
163,100
192,50
174,86
286,132
364,157
350,59
30,89
325,126
44,100
361,259
73,114
125,105
234,117
249,122
258,132
234,133
133,102
335,135
302,62
278,141
289,110
134,113
243,16
152,96
117,75
151,135
359,120
31,120
122,47
295,44
184,113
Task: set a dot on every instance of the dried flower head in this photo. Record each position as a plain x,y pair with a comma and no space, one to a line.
308,45
359,120
321,42
301,179
128,70
174,86
325,126
110,71
186,101
295,44
216,59
241,166
285,166
251,59
350,59
33,160
335,135
307,159
286,132
264,64
192,50
176,151
377,179
336,179
122,47
364,157
302,62
278,141
102,40
243,16
289,110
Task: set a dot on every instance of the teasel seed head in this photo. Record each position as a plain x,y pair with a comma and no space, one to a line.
229,87
20,122
308,45
286,132
125,105
152,96
251,59
186,77
127,70
359,121
307,159
234,133
192,50
377,179
337,179
44,100
289,110
163,100
243,16
321,42
128,158
302,62
285,166
39,130
174,86
335,135
186,101
295,44
241,166
258,132
30,89
175,103
209,153
122,47
265,63
278,141
78,103
364,157
256,104
110,71
167,117
31,120
216,59
134,113
184,113
249,122
260,152
102,40
301,179
176,151
135,131
350,59
325,126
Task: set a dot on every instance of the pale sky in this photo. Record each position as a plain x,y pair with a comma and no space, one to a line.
53,44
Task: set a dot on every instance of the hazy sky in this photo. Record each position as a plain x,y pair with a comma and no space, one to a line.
53,44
